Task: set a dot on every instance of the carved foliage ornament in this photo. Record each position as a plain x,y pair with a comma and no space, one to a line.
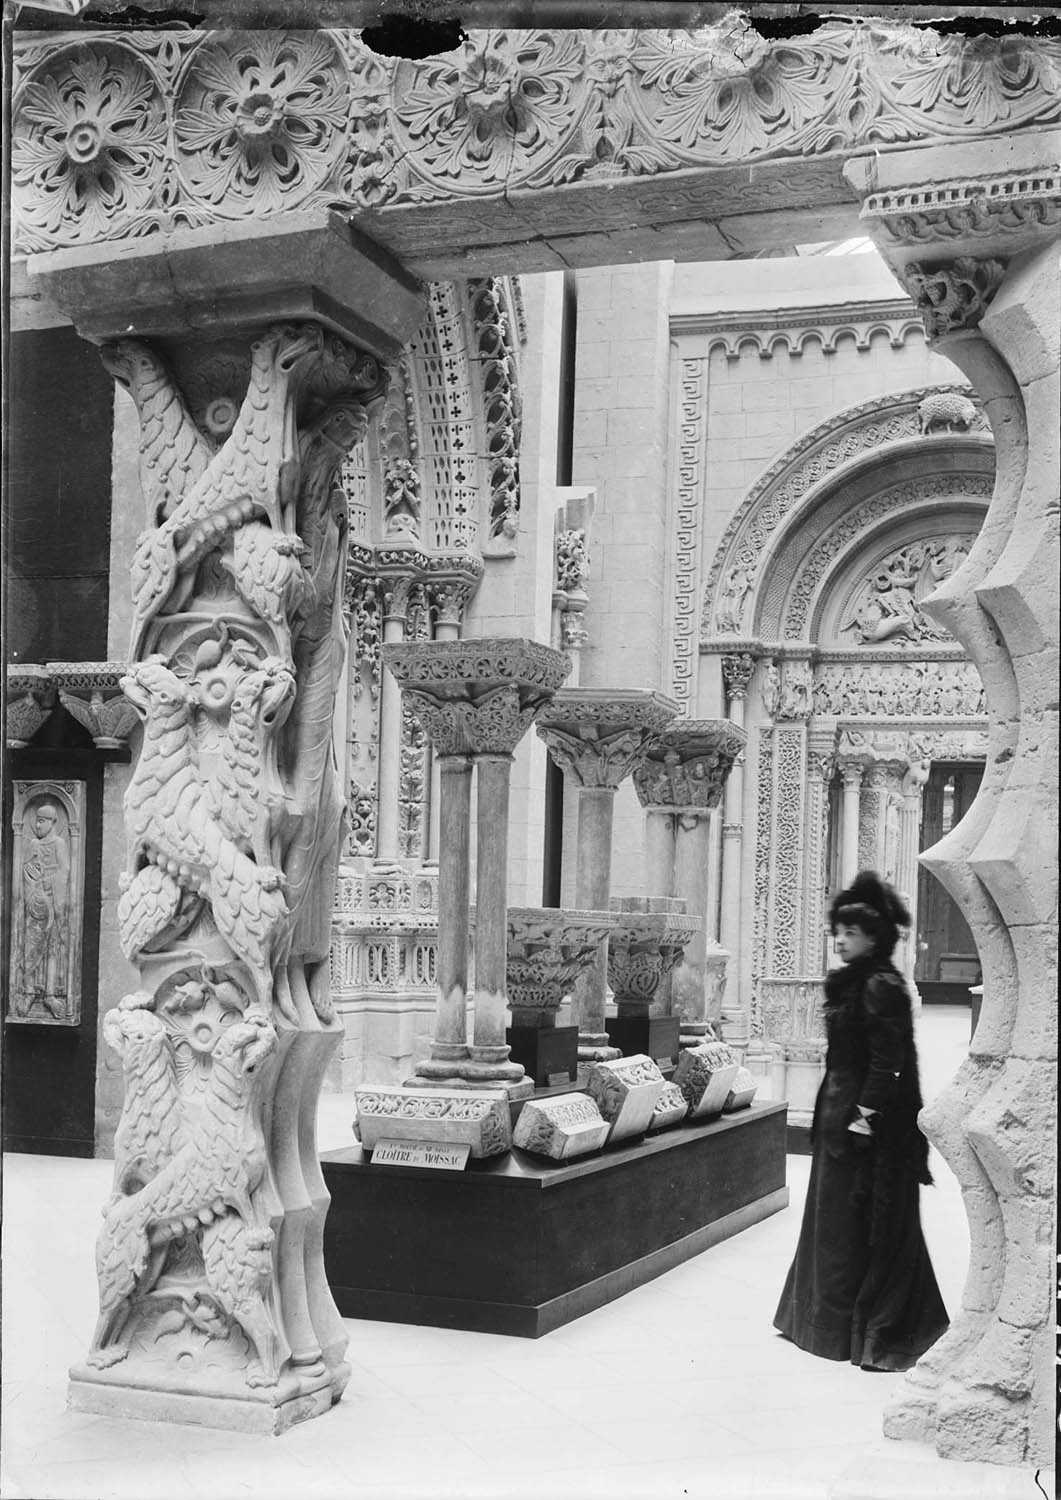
125,134
953,295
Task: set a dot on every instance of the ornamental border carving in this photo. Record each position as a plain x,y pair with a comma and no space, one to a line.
692,426
766,329
819,457
119,134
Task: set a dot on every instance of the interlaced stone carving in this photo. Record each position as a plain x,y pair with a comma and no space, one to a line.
502,407
644,947
361,818
953,295
572,560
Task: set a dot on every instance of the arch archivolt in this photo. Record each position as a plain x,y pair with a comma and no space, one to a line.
831,458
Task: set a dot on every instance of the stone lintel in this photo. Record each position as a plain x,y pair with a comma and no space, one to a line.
476,1117
706,1075
200,281
626,1092
569,1125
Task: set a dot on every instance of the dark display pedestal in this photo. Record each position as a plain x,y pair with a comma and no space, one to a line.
655,1035
549,1053
521,1246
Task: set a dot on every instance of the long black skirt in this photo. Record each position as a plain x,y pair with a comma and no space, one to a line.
876,1304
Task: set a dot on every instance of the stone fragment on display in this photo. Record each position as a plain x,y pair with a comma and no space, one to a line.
705,1075
478,1118
742,1091
671,1108
626,1092
570,1125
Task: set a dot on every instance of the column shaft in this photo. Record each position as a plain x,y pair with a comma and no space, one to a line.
849,827
596,807
659,851
687,996
389,759
491,907
455,777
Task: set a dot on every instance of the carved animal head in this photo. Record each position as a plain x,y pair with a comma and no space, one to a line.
129,362
151,681
285,345
247,1044
124,1029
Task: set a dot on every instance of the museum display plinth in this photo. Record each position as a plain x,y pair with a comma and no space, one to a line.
521,1246
658,1036
548,1053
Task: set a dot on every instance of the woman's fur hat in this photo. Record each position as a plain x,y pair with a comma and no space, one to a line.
870,903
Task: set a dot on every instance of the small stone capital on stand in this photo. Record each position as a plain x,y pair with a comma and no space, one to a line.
597,735
91,693
647,942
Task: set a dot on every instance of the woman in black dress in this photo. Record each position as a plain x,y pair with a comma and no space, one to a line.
861,1286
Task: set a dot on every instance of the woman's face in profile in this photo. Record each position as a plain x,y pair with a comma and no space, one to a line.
851,943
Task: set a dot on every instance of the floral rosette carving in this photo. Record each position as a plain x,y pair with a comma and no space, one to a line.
493,113
88,139
261,120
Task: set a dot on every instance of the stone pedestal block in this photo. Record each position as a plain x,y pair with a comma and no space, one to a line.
548,1053
705,1076
742,1091
477,1118
561,1128
671,1108
626,1093
658,1036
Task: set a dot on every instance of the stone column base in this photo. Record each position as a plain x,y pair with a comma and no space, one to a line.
511,1079
270,1409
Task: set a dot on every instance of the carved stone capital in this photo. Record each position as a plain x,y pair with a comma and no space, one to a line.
91,693
645,945
737,674
30,699
547,951
597,735
687,765
952,295
476,697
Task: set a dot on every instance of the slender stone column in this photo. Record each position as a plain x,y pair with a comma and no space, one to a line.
660,839
851,773
596,736
736,674
475,699
906,873
388,760
455,801
680,781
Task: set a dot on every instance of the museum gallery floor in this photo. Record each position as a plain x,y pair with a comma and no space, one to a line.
679,1389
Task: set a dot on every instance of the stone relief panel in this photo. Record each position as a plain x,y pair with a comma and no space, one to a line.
47,882
886,606
915,689
134,133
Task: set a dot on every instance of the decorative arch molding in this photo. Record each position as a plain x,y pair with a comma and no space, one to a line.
831,455
901,513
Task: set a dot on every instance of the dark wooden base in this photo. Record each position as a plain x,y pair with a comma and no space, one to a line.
547,1052
521,1246
658,1036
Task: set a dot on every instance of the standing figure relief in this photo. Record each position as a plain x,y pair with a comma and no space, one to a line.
234,813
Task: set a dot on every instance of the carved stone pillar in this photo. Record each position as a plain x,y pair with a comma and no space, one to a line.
853,763
596,736
736,1015
475,700
978,252
906,870
821,764
213,1301
680,784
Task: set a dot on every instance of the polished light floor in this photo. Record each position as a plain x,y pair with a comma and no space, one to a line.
680,1389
